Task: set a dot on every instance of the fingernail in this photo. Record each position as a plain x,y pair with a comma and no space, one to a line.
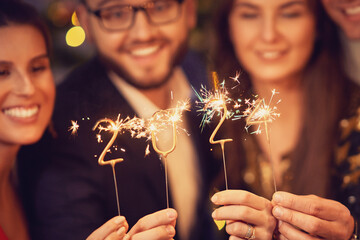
278,211
170,230
126,237
214,198
278,197
280,223
119,220
171,215
121,231
214,213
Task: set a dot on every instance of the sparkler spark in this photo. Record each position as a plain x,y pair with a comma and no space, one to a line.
139,128
258,112
74,127
212,103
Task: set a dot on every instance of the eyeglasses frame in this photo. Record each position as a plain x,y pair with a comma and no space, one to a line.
135,9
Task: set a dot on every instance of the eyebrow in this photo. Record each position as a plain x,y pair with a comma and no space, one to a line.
103,2
45,55
292,3
245,4
285,5
42,56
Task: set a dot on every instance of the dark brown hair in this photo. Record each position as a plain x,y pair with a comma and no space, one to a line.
324,90
16,12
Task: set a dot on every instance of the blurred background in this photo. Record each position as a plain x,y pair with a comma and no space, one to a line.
70,47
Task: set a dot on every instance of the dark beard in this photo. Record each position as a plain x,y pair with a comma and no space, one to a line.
175,61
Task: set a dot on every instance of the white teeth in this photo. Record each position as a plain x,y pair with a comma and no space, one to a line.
21,112
353,10
270,55
144,51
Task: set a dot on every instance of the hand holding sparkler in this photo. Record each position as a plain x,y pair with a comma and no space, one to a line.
247,215
156,226
115,228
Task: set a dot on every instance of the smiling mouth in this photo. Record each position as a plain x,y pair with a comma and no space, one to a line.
22,112
270,55
352,10
144,51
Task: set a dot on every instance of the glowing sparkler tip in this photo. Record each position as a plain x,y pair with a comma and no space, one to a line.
74,127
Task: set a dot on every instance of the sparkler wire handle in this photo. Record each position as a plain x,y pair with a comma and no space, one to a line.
221,141
164,155
109,145
250,121
113,161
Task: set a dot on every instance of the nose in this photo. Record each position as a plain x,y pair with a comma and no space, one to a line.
23,85
142,29
269,30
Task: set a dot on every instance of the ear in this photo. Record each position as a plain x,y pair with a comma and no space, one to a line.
191,12
84,19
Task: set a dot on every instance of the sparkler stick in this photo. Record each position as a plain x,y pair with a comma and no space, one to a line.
164,154
161,119
215,102
261,113
139,128
114,128
221,141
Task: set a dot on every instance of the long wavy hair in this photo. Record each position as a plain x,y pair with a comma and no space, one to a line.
324,85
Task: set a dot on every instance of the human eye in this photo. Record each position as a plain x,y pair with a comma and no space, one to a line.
294,11
116,13
161,6
291,14
247,14
40,66
4,71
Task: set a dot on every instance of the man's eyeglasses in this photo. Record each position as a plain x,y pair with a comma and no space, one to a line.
122,17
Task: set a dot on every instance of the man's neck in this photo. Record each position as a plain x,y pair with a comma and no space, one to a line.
159,96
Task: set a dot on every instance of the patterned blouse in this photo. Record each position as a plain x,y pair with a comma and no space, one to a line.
348,164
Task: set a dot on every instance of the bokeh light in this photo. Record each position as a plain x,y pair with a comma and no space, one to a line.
74,19
75,36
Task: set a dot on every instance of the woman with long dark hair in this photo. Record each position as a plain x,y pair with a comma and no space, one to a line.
27,93
290,46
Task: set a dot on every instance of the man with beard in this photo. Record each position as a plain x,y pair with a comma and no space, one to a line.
142,65
346,14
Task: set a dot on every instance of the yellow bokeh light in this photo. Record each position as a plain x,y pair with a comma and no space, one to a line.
74,19
75,36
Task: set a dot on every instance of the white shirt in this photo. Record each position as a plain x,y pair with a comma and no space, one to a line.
183,172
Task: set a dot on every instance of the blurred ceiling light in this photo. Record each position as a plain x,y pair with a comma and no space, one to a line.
75,36
74,19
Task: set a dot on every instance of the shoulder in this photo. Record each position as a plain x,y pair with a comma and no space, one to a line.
195,69
83,75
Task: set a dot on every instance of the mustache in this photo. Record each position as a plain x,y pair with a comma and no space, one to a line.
141,44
